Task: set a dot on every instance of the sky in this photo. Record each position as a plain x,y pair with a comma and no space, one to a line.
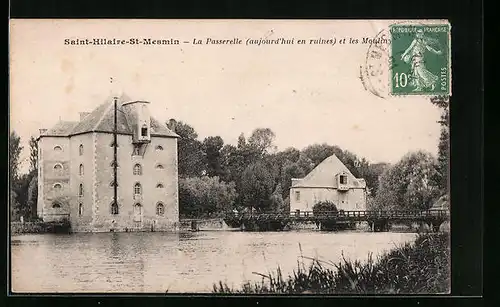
306,94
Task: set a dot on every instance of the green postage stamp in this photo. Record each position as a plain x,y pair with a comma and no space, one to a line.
420,59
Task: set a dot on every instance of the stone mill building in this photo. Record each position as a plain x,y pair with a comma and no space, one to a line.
82,169
330,181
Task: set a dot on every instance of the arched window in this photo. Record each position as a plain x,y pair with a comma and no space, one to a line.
159,166
114,208
159,148
81,169
137,189
58,168
80,209
137,169
144,130
80,190
160,209
57,187
57,148
56,206
159,186
80,150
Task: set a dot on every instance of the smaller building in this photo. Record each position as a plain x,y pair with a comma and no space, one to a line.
331,181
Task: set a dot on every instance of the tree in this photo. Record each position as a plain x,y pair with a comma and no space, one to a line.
191,159
15,149
443,103
33,154
277,202
290,170
262,139
33,196
410,184
201,196
257,186
212,147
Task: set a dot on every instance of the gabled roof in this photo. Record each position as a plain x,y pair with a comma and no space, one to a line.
324,175
101,119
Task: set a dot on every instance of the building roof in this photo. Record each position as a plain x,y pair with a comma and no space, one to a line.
324,175
101,119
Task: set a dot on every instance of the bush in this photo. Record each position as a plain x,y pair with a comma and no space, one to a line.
324,206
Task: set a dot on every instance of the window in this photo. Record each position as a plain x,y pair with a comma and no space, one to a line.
57,148
137,169
137,189
144,131
343,179
81,169
297,195
159,148
80,150
159,186
58,168
57,187
160,209
80,190
114,208
56,206
113,164
159,166
80,209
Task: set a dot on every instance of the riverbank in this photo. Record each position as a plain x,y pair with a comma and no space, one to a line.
422,267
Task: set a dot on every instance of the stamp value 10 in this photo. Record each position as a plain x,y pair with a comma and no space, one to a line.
420,59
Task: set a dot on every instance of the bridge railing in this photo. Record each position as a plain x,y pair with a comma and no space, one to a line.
355,214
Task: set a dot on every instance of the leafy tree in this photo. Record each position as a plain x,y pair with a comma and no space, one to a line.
15,149
201,196
33,154
410,184
443,103
212,147
257,186
262,139
33,196
190,150
277,202
290,170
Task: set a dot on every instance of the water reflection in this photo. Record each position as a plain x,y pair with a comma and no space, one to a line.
177,262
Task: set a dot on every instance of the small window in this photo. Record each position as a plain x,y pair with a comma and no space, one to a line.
58,168
81,169
57,186
159,166
159,186
56,206
343,179
137,189
80,150
297,195
80,209
160,209
57,148
144,131
159,148
80,190
114,208
137,169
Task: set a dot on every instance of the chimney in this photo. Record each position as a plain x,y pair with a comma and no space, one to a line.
42,131
83,115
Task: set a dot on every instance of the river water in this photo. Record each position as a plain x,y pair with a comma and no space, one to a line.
176,262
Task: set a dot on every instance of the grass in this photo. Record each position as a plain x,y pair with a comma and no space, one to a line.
419,267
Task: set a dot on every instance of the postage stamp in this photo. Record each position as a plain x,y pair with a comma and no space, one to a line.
420,59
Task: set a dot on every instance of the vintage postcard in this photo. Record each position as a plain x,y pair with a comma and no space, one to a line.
229,156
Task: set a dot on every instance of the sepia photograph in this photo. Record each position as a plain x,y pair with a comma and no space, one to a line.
293,157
